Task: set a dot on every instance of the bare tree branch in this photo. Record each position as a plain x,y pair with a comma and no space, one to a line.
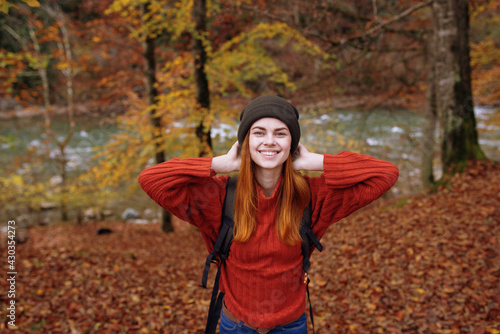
375,9
398,17
335,43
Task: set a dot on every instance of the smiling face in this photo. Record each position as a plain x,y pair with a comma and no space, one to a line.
269,142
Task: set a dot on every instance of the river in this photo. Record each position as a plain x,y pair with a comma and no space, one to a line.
391,135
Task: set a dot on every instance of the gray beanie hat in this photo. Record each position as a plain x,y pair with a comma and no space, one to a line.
270,106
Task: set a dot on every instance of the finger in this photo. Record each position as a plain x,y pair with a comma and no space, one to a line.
299,150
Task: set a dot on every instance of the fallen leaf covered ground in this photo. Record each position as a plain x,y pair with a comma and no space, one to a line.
423,264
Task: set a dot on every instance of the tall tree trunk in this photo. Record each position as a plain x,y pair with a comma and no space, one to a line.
65,47
200,77
453,85
64,188
152,94
42,72
429,128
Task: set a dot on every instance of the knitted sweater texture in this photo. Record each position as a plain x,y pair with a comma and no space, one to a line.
263,278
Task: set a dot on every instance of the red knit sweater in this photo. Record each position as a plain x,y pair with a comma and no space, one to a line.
263,278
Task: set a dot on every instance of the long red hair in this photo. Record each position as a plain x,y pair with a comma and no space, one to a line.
293,197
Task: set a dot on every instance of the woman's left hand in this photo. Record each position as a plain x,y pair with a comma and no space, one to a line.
300,157
305,160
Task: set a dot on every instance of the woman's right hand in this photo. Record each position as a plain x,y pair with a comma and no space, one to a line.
229,162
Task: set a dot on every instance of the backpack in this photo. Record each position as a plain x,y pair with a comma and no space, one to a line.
222,245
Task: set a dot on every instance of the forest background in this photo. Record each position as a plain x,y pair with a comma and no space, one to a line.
169,78
160,81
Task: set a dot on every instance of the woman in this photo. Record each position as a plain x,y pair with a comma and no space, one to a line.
263,278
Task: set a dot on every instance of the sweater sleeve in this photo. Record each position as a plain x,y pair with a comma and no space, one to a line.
350,181
189,189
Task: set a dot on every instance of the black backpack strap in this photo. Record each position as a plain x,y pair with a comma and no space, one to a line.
228,217
308,237
215,306
225,237
219,255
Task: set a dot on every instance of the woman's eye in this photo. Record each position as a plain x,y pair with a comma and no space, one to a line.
258,133
281,134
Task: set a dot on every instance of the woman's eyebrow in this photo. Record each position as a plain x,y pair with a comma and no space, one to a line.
261,128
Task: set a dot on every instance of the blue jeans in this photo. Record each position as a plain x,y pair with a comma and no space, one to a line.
230,327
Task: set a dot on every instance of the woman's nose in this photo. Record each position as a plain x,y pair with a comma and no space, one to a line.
269,139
